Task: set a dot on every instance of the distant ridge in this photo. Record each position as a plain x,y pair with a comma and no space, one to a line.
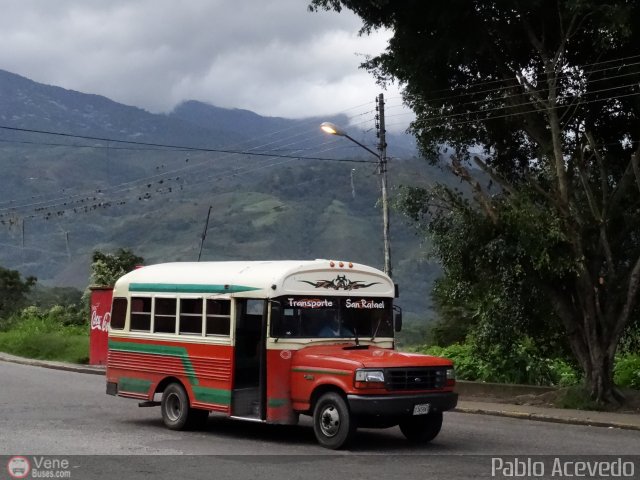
61,197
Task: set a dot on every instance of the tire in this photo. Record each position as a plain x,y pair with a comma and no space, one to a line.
422,428
177,414
333,424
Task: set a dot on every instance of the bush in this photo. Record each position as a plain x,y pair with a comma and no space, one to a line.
52,334
577,397
627,371
522,364
468,367
564,374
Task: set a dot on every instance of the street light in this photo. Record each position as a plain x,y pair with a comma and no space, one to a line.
333,129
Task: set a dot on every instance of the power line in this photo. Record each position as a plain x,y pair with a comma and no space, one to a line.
68,202
181,147
278,141
464,122
500,81
504,107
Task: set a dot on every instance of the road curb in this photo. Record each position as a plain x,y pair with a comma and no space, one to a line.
69,367
548,418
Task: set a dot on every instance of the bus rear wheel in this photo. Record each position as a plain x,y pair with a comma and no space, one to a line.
177,414
422,428
332,422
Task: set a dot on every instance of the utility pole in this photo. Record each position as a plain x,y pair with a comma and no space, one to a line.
353,186
381,155
382,171
204,233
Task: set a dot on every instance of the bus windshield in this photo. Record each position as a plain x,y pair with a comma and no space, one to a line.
331,317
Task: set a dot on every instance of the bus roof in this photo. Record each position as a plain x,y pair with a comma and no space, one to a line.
258,279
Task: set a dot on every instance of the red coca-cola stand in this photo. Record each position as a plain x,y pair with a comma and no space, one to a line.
100,319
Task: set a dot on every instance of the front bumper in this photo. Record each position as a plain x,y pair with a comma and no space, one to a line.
399,405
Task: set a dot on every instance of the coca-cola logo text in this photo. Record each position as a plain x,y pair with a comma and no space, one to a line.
99,322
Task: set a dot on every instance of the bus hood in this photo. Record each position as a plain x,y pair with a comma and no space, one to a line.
348,356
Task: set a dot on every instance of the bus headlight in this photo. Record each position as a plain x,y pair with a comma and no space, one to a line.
369,378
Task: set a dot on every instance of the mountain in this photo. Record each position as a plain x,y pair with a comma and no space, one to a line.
278,188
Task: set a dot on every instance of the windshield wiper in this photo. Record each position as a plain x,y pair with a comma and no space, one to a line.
357,346
375,332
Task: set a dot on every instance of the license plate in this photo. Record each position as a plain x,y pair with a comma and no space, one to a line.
421,408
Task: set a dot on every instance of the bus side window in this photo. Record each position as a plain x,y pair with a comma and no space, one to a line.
141,313
190,316
118,313
218,317
164,316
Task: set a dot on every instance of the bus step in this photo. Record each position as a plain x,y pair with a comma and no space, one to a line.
149,404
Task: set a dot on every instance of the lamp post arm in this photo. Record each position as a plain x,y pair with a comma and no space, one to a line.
373,152
332,129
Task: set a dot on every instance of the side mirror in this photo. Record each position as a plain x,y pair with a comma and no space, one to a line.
397,318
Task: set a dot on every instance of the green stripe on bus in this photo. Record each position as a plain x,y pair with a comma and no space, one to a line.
137,385
316,370
277,402
188,288
212,395
165,350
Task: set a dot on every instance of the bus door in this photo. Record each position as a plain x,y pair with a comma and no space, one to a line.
249,384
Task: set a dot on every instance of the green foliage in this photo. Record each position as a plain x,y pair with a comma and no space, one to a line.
451,329
630,341
51,334
47,297
492,269
627,371
577,397
106,268
13,292
414,332
522,364
468,366
557,241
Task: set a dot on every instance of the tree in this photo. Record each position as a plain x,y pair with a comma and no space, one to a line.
487,296
13,291
106,268
548,91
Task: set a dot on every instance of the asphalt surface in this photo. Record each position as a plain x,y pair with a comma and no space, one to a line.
67,415
479,398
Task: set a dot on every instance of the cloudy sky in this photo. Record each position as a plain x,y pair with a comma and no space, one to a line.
270,56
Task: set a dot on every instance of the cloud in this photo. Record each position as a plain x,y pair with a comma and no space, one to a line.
273,57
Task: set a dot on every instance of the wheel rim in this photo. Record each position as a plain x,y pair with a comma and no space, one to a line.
330,421
174,407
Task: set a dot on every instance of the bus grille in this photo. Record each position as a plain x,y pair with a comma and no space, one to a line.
418,378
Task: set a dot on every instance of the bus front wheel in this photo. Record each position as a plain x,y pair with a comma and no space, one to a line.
332,421
177,414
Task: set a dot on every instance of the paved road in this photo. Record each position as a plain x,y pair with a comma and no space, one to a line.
51,412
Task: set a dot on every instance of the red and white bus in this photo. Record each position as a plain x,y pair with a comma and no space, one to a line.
268,341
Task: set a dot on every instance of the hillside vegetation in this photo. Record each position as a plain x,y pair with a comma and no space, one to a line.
62,198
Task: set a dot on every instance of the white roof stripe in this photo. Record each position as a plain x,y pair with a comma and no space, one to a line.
263,275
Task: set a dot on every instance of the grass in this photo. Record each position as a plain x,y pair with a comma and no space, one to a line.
35,334
577,397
